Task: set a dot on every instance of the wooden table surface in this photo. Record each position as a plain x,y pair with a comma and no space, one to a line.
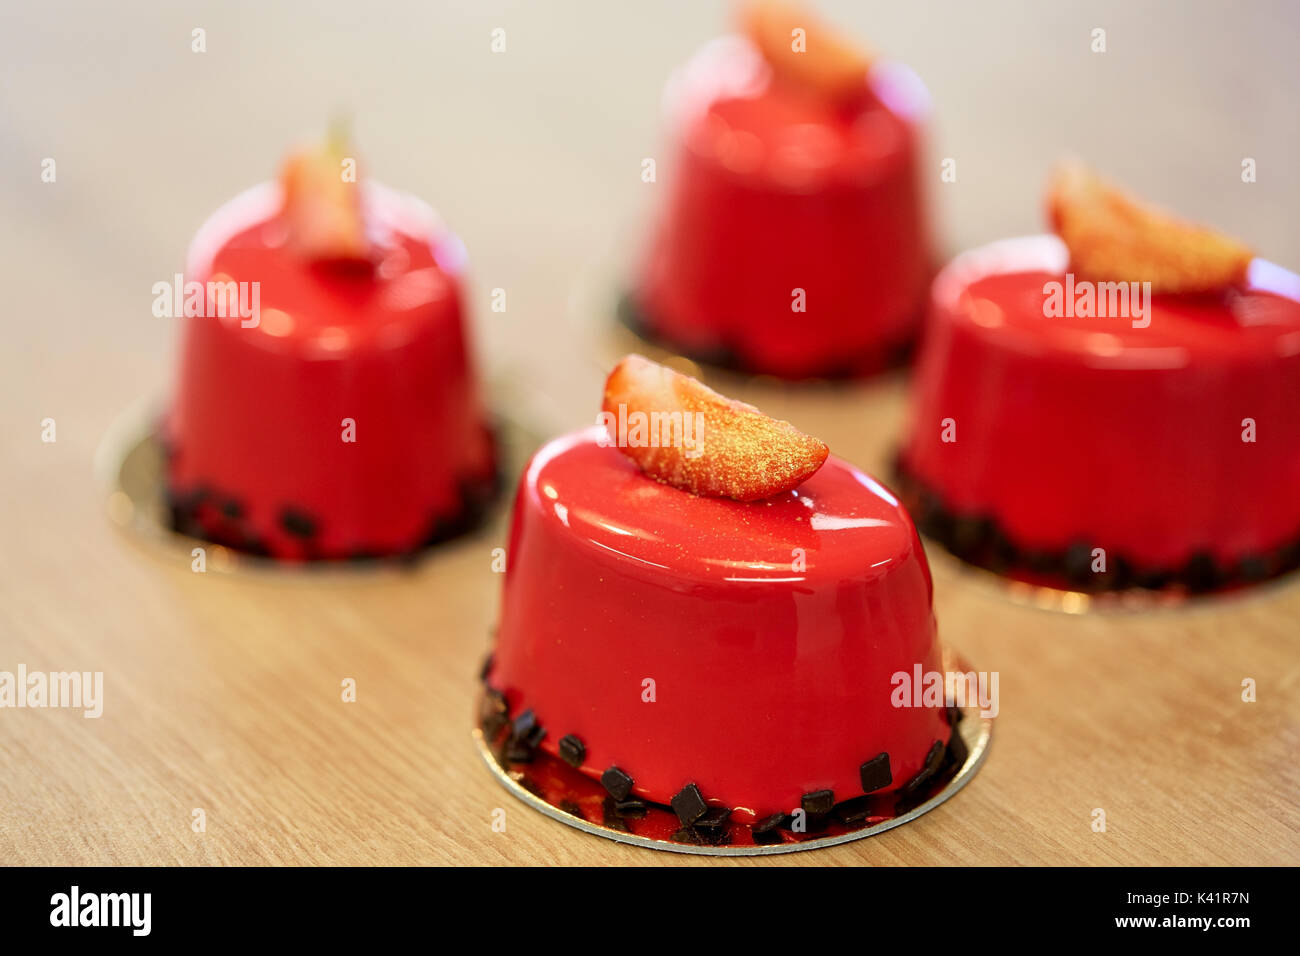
222,691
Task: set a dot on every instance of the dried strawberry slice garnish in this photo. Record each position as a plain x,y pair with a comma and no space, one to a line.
726,449
828,64
322,209
1114,237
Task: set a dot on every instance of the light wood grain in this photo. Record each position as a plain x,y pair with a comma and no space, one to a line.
223,692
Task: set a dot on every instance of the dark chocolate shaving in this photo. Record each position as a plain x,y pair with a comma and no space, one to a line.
525,736
818,803
494,702
616,783
1255,568
933,761
523,725
1201,573
611,817
875,773
957,751
631,808
853,811
714,818
297,523
517,752
689,804
572,750
493,713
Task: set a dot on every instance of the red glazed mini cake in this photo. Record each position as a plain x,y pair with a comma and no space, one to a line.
1063,432
727,658
792,239
341,420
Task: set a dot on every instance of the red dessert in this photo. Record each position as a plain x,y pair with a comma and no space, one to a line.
1168,439
792,241
344,421
744,647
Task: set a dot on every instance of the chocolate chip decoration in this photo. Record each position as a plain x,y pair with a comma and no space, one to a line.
818,803
770,823
853,811
1078,565
493,715
525,736
494,701
631,808
572,750
957,749
1254,568
713,818
875,773
616,783
1201,573
518,753
933,760
523,725
689,804
611,817
297,523
972,535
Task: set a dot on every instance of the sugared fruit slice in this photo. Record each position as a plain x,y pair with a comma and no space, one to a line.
322,204
805,51
1114,237
684,434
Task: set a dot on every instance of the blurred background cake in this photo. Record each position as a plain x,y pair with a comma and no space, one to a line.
1116,406
335,414
792,238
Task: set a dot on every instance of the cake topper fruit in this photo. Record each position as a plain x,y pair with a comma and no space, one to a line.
1114,237
731,451
805,51
322,202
